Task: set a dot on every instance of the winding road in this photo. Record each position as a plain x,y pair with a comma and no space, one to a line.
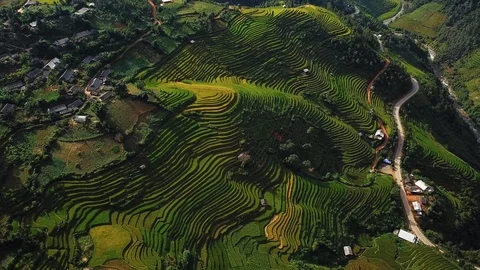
412,223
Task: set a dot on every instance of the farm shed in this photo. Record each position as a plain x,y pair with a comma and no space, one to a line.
82,11
347,250
410,237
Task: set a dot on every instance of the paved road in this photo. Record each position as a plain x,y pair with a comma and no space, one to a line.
412,223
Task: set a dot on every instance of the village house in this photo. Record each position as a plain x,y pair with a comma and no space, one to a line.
16,86
417,207
106,96
74,89
52,64
379,135
94,87
33,74
75,105
57,108
68,76
7,109
61,42
84,34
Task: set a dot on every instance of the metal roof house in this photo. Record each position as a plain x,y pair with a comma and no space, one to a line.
68,76
52,64
424,187
84,34
106,96
57,109
410,237
14,86
76,104
416,206
61,42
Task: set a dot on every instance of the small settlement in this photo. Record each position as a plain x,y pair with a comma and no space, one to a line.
417,192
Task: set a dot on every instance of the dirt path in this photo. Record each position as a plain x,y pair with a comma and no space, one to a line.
154,12
380,123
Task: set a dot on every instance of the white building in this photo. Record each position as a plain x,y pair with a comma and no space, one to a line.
379,135
80,118
347,250
416,206
52,64
424,187
410,237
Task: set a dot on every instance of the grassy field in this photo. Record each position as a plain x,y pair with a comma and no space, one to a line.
4,3
426,20
199,7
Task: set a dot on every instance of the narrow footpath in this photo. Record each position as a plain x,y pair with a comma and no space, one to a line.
380,123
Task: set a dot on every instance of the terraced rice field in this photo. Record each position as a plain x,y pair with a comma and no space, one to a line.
431,155
469,70
391,253
425,20
223,90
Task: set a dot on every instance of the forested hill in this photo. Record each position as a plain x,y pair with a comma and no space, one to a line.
460,33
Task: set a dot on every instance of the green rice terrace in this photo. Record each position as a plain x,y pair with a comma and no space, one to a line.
248,147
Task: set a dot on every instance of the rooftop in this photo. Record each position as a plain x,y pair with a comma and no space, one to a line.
410,237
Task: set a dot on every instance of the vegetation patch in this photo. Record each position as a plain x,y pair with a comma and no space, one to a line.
136,58
381,9
426,20
83,156
109,241
125,113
